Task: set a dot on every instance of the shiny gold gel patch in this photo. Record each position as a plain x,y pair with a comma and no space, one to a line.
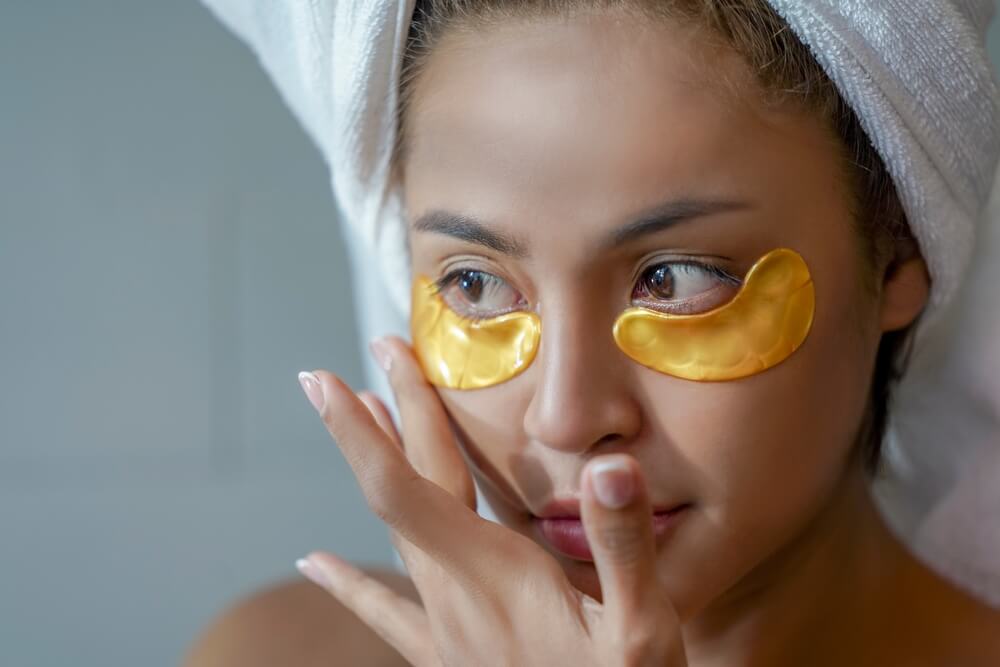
767,320
459,353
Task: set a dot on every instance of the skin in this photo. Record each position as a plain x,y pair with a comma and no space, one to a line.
758,458
295,623
555,134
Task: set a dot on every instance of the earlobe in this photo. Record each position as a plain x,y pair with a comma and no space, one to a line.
904,293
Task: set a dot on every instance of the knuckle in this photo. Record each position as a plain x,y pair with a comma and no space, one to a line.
412,388
622,542
404,370
354,589
374,595
384,493
637,647
339,411
408,381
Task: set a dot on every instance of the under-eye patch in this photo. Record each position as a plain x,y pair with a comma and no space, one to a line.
767,320
458,353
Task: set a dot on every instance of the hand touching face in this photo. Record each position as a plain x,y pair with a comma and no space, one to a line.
489,595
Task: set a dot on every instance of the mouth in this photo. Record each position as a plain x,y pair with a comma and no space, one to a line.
562,529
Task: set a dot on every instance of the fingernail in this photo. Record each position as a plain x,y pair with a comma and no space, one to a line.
380,351
613,482
310,385
311,572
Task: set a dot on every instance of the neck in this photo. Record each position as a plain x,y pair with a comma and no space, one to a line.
814,602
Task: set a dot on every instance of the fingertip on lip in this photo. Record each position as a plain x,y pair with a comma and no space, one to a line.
608,462
618,462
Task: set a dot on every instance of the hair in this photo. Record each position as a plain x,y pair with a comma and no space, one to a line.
786,72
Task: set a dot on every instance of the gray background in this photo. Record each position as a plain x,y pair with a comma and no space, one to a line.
169,260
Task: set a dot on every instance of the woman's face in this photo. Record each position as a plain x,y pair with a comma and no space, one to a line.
550,139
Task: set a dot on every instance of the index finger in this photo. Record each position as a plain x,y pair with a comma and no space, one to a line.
427,436
419,510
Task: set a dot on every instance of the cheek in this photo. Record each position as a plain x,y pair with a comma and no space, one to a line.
789,428
792,424
489,423
764,454
770,447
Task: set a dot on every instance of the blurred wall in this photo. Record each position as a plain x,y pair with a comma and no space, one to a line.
169,260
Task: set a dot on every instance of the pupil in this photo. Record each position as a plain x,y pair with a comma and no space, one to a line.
661,282
472,284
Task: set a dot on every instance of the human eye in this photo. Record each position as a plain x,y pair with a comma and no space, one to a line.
684,287
478,295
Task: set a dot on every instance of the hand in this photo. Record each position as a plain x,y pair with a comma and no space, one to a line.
490,595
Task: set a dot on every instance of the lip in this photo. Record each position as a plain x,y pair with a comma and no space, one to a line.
559,525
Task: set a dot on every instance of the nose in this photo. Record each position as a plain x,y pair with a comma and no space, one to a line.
583,396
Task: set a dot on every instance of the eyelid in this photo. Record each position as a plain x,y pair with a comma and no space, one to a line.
451,277
455,264
684,305
454,268
698,262
721,263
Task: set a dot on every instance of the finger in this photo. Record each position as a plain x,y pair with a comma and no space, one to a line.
427,435
382,416
419,510
369,450
617,519
417,563
398,620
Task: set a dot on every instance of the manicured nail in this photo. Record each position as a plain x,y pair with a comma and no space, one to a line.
310,385
380,351
613,482
311,572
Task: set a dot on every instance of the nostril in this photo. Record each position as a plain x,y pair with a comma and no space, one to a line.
610,437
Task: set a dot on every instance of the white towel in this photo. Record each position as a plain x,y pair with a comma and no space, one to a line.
917,74
336,64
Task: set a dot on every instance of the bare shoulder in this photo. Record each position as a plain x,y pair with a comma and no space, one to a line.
295,622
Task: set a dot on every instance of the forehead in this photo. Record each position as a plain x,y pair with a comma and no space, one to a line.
592,117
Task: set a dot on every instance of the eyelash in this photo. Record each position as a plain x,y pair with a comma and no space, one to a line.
452,277
716,271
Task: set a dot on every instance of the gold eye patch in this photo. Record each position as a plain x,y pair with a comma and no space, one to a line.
767,320
459,353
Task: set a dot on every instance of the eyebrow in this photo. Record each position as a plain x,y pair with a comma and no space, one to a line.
669,214
648,222
467,228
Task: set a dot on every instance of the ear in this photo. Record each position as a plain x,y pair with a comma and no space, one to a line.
905,290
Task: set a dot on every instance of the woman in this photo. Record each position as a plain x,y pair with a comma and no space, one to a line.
587,187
